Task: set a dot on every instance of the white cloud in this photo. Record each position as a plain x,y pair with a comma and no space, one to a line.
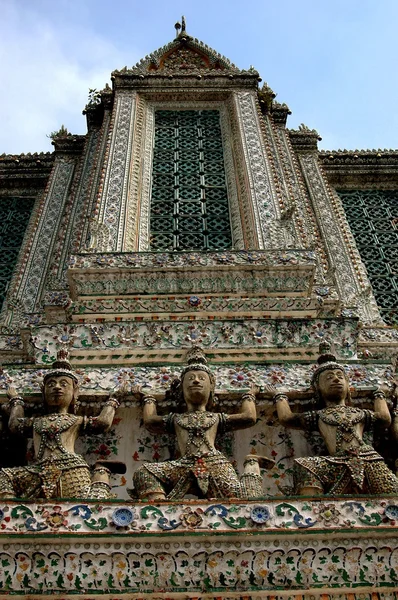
46,71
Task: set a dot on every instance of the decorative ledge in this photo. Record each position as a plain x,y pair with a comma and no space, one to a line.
268,516
165,340
200,549
253,273
138,260
200,306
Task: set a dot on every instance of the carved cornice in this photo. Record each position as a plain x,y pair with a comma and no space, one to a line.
69,144
271,272
280,113
304,139
25,172
266,98
191,81
99,102
361,169
36,159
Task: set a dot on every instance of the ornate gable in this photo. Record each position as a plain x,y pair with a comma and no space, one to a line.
184,54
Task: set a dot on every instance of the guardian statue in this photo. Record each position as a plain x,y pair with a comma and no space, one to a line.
58,472
352,466
201,470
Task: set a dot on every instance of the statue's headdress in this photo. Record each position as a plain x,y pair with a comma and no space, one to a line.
326,361
196,361
61,366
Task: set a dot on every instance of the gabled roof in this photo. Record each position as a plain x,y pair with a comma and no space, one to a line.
184,55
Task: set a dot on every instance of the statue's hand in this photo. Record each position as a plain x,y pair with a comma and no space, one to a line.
11,392
141,394
254,389
136,390
269,391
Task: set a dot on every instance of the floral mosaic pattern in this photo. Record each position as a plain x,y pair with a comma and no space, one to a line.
226,569
190,563
198,515
228,378
220,334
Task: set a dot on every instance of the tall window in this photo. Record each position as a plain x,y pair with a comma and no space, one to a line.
14,217
189,201
373,218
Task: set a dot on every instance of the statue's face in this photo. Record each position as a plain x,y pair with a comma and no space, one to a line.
59,391
196,387
333,385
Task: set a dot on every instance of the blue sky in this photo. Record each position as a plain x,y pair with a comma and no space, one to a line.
333,62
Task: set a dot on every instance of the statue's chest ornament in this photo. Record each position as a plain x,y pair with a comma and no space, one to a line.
49,428
197,424
345,418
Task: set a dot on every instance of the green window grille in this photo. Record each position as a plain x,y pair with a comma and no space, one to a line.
373,218
189,201
14,217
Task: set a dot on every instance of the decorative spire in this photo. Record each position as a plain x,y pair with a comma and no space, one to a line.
61,366
182,26
325,355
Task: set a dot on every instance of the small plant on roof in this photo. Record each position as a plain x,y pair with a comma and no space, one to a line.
62,132
94,98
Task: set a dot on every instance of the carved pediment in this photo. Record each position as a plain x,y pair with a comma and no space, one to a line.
184,55
184,58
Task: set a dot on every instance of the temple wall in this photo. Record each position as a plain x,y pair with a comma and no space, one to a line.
87,281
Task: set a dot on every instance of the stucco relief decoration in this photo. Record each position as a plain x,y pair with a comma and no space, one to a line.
256,163
32,279
183,54
346,278
113,197
184,59
75,226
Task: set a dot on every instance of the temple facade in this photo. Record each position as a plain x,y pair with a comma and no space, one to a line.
191,216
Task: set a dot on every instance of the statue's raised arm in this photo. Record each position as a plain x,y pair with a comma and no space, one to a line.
17,422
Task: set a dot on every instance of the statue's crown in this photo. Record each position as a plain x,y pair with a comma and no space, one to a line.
326,360
61,366
196,361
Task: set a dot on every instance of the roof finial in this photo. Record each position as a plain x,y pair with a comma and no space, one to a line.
178,26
